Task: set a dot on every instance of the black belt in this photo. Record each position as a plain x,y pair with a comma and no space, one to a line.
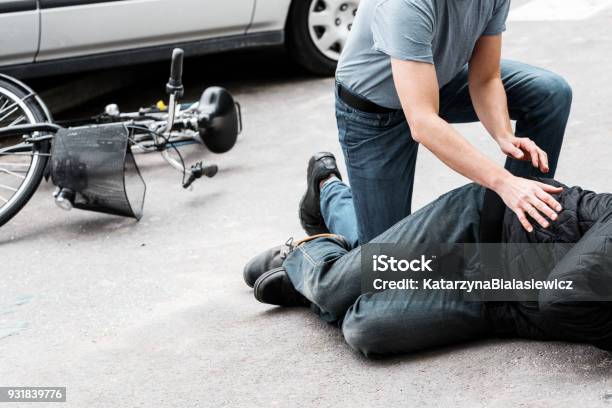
359,103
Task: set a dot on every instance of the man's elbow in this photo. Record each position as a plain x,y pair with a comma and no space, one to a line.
416,134
420,127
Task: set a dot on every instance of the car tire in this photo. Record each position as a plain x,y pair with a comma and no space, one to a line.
316,33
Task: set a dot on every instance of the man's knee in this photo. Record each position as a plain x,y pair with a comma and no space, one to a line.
561,90
375,334
556,91
360,334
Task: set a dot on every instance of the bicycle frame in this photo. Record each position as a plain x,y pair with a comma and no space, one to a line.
164,125
215,121
46,131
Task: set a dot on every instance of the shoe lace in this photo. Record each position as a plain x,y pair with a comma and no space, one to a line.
287,248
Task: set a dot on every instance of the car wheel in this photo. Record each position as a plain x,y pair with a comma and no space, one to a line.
317,31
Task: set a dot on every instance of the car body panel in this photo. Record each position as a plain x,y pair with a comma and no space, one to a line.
51,37
270,15
19,31
103,26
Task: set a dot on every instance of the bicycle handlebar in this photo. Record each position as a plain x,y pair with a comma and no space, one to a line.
175,83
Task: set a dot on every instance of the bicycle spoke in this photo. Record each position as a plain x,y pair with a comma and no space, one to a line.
3,199
5,108
12,173
17,121
14,164
15,109
8,188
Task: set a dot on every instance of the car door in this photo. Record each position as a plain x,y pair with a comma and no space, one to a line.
19,25
71,28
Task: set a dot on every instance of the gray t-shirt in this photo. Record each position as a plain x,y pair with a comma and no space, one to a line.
439,32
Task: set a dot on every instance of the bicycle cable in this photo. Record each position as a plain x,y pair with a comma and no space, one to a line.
168,142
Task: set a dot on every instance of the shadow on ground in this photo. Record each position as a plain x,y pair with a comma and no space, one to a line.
144,84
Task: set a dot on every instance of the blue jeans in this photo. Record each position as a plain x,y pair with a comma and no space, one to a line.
327,272
380,153
338,210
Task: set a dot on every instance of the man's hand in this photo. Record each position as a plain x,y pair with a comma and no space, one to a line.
490,101
522,148
527,197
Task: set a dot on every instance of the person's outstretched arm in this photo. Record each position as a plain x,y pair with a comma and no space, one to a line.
417,87
491,103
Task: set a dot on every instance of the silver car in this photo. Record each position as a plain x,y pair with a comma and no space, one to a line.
44,37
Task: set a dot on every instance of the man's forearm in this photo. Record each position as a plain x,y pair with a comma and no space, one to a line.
487,89
417,87
456,152
491,104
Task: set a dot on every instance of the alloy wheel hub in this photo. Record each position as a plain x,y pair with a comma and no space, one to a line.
329,23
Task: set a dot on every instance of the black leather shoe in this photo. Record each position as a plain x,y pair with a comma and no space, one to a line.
321,166
275,288
262,263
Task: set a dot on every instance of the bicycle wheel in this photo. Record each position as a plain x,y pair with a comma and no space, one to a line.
22,165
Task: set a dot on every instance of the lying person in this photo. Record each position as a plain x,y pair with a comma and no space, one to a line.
323,272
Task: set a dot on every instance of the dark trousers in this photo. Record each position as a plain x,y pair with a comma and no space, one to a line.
328,273
380,153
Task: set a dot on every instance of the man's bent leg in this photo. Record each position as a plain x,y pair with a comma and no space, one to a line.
338,211
313,269
330,277
380,157
539,100
406,321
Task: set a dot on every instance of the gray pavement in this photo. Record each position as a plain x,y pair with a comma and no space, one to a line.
155,313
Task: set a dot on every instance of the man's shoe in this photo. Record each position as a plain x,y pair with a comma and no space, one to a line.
262,263
275,288
321,166
274,257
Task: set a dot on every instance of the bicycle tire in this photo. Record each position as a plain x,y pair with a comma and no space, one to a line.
36,172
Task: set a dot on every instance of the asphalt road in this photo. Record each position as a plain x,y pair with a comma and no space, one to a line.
155,313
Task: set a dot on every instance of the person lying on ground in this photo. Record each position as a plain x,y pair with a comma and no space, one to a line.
323,271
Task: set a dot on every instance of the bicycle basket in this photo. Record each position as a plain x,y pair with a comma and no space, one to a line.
96,162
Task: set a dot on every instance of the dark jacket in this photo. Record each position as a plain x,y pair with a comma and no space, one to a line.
583,314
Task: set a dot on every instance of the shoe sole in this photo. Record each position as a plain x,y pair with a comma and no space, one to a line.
311,194
245,275
261,279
